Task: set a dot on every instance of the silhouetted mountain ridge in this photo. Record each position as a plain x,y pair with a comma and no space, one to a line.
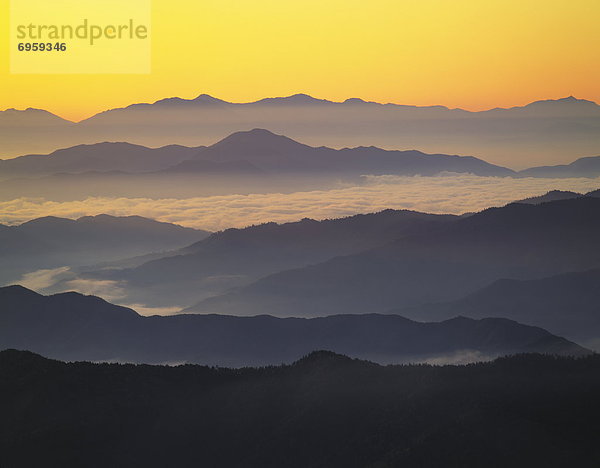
238,256
552,195
544,132
282,154
323,411
582,167
71,326
517,241
567,304
305,99
51,242
261,148
97,157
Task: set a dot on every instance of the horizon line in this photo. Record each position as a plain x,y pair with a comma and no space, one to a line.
325,101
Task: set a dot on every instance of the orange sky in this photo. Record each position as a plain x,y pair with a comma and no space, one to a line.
460,53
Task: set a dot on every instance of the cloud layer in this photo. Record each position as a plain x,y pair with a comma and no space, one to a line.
443,194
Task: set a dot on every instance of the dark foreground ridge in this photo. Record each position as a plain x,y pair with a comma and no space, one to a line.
325,410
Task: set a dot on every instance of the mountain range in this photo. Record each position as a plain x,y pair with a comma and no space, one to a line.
582,167
519,241
567,304
534,261
261,148
52,242
71,326
550,131
255,161
280,154
325,410
101,157
236,257
314,343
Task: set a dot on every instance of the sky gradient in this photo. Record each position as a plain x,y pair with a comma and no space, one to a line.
474,55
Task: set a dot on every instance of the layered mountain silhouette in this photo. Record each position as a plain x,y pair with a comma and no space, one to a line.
258,147
101,157
71,326
541,132
567,105
52,242
282,154
519,241
324,410
582,167
552,195
236,257
255,161
566,304
32,128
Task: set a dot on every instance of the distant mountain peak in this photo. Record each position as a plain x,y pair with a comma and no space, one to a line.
105,144
112,146
19,116
302,97
356,100
47,221
295,99
574,99
30,110
207,98
257,139
202,99
566,100
255,133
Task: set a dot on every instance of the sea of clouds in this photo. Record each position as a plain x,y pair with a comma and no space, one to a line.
454,194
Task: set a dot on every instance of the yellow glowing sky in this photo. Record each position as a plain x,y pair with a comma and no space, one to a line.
473,54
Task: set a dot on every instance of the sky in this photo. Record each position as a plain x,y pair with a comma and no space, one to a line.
460,53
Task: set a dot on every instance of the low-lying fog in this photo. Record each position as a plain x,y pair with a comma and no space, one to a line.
454,194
